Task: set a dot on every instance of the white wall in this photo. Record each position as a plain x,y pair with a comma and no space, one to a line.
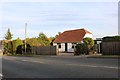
98,42
62,49
88,35
70,49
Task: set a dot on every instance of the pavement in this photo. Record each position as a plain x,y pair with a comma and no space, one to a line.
58,67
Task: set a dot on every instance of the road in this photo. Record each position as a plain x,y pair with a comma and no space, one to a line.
59,67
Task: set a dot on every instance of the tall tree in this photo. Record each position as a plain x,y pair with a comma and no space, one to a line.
8,35
43,36
43,39
33,42
8,47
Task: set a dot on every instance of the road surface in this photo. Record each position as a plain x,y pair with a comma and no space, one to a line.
59,67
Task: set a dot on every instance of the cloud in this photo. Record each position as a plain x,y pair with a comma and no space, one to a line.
54,17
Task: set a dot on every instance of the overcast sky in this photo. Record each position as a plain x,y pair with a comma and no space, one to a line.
100,18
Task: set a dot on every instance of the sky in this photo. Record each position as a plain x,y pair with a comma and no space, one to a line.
100,18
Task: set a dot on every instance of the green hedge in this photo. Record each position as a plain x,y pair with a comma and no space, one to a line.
81,49
111,38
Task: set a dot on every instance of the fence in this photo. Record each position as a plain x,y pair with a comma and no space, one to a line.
111,48
44,50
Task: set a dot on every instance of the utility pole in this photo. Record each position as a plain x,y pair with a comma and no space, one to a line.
25,36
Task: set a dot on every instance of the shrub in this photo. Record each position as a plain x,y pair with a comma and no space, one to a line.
111,38
28,49
19,49
81,49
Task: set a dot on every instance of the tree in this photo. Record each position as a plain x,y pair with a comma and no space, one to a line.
33,42
89,42
43,39
17,43
5,46
8,35
42,36
51,40
8,47
58,34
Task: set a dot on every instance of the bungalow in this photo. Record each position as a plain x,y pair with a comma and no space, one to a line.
67,40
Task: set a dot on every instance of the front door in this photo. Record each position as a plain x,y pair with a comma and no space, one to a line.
66,47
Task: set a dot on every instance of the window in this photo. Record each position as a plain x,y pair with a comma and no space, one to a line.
73,45
59,45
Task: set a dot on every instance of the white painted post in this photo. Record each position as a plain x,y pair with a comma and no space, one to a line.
25,35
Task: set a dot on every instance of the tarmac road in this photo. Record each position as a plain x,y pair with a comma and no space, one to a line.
59,67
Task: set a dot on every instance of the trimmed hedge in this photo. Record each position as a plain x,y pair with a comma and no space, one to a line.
112,38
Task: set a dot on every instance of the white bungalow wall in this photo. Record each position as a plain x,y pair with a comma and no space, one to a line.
70,49
62,49
88,35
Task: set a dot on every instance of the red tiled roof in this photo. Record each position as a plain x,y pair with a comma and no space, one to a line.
71,36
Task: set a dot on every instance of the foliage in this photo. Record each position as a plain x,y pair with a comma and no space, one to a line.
33,42
17,43
116,37
8,35
81,48
112,38
28,49
51,40
8,48
43,39
85,47
7,43
58,34
19,49
89,42
5,46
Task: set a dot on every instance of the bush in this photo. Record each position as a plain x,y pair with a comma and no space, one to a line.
28,49
81,49
111,38
17,42
19,49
